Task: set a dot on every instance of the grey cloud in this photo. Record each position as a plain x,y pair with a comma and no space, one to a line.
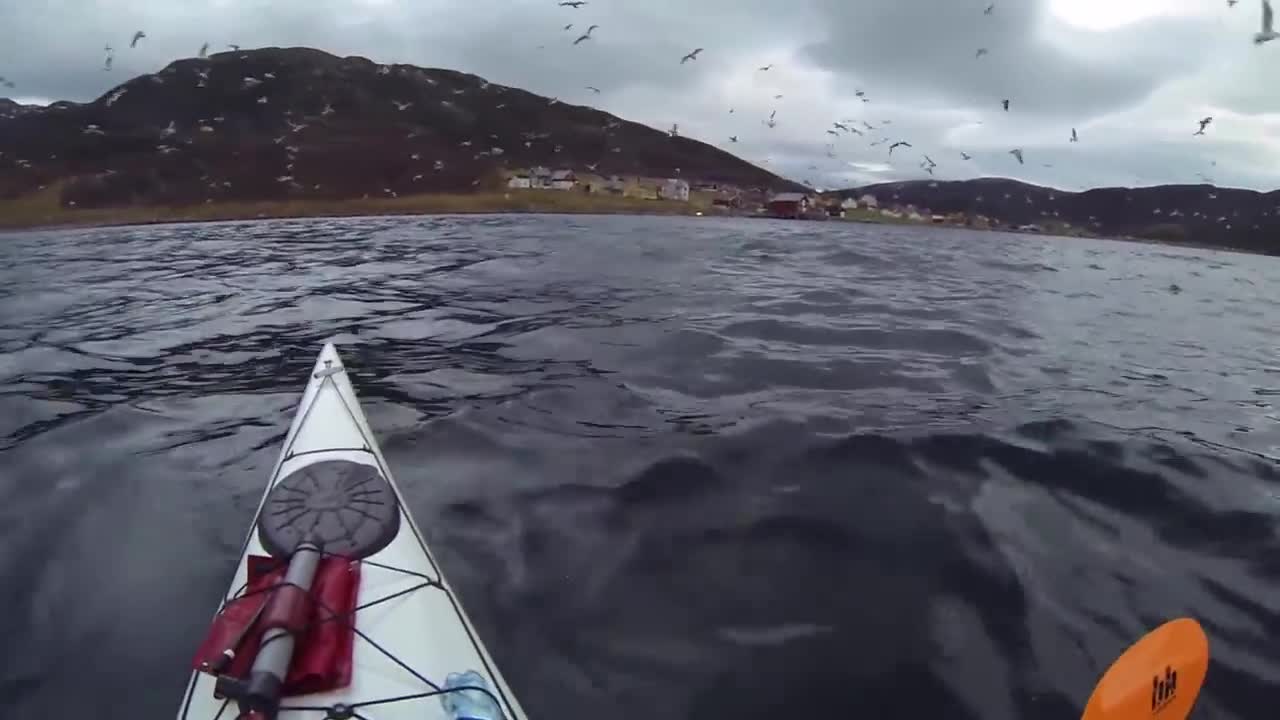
927,48
914,57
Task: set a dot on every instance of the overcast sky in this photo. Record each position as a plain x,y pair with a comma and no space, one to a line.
1132,76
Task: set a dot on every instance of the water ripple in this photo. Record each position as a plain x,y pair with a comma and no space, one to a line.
676,467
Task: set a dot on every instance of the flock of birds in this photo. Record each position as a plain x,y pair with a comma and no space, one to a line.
837,129
133,43
1266,34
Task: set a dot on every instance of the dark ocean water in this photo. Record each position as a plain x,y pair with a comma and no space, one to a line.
676,468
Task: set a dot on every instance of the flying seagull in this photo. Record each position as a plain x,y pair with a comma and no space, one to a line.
1267,33
581,38
575,4
568,27
966,156
1006,105
1203,124
401,106
691,56
136,37
930,161
106,64
733,138
594,89
765,68
1232,3
777,97
900,143
1074,137
981,52
1017,152
990,9
204,50
234,48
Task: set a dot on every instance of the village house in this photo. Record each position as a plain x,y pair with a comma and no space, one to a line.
792,206
539,178
868,201
563,180
519,181
674,189
727,199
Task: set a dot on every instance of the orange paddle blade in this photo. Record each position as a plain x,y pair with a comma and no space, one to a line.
1157,678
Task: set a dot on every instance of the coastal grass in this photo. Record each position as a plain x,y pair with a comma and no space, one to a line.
44,209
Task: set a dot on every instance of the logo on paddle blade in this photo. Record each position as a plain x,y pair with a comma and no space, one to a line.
1122,692
1163,690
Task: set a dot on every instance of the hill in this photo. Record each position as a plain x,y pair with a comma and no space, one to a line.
298,123
1199,214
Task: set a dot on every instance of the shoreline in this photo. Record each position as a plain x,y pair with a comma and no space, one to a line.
43,211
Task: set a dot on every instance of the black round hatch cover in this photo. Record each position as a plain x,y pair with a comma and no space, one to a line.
347,508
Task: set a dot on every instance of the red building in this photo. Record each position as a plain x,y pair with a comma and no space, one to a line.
791,206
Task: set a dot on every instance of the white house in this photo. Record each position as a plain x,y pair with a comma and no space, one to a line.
539,177
563,180
674,189
848,204
868,201
521,182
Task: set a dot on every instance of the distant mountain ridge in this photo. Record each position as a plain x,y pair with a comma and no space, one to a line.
1200,214
278,123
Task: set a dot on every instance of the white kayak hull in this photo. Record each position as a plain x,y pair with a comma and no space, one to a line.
425,629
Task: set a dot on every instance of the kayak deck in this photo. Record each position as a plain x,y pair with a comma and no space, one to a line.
411,631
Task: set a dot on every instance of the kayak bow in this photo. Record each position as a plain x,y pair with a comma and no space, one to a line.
332,506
